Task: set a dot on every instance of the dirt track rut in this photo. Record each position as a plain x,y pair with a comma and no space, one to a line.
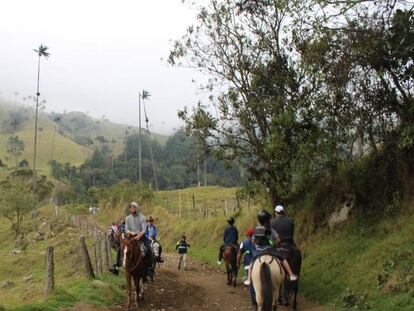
200,287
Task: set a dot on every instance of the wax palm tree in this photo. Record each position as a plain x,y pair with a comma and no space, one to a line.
42,51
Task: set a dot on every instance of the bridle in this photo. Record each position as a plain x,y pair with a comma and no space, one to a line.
138,262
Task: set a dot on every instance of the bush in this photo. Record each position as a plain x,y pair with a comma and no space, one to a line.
352,300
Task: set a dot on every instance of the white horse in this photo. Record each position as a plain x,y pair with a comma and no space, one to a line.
268,277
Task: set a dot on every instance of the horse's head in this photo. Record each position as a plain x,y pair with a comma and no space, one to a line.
156,248
131,252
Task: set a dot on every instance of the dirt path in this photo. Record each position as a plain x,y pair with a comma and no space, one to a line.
198,288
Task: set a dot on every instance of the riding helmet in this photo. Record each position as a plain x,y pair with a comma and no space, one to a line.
263,217
230,221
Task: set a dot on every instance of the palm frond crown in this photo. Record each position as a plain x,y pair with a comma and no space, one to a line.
42,51
145,94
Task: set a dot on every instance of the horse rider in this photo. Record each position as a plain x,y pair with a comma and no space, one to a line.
264,241
247,249
118,230
230,237
151,229
269,243
135,227
284,226
151,235
181,247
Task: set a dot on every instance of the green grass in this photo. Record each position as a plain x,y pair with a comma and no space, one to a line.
346,261
355,257
71,285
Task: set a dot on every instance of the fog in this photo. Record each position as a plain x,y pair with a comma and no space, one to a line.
102,54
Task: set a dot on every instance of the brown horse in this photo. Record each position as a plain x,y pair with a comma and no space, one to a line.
133,263
230,260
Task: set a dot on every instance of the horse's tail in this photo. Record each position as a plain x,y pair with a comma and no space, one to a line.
267,293
234,260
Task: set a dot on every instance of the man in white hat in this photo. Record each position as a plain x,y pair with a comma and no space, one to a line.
283,225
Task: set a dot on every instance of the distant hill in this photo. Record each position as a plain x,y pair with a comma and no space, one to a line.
79,127
68,137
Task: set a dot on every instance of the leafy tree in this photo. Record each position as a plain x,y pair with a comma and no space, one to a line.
264,115
23,163
15,148
16,196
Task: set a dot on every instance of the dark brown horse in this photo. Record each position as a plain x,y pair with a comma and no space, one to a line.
133,263
230,260
294,256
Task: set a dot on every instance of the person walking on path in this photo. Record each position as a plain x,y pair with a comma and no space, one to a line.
181,247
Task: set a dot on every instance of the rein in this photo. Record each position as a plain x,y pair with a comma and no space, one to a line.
137,263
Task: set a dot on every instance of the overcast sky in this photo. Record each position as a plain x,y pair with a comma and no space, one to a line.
102,53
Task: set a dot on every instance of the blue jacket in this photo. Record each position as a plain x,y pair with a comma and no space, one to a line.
248,248
231,235
149,234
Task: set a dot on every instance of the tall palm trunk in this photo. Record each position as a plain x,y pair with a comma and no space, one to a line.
35,129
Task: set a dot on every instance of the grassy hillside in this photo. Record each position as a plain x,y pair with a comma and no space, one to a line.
67,144
360,265
65,150
78,124
71,285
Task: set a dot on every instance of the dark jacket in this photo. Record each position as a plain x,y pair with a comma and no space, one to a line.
182,247
284,226
231,235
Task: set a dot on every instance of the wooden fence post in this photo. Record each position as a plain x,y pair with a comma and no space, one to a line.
248,203
179,203
194,205
108,247
105,262
50,270
86,259
98,255
225,207
188,206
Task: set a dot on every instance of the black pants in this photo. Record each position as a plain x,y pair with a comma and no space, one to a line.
148,256
118,255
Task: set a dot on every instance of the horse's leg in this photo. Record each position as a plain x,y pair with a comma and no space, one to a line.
234,275
128,298
295,305
137,289
228,269
141,288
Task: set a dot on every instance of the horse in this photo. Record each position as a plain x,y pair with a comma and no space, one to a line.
230,260
294,257
156,257
133,263
267,277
